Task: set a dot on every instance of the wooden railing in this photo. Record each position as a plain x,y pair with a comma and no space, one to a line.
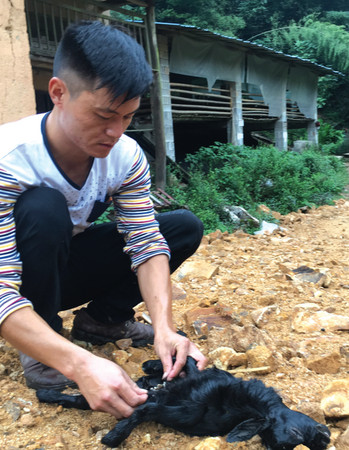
47,20
253,107
293,112
195,101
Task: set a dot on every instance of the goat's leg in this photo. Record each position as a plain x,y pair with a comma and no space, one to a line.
190,366
68,401
144,413
123,429
180,418
153,367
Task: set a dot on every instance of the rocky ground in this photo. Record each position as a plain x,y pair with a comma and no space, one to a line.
247,304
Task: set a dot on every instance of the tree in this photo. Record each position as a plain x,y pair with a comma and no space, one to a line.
247,18
322,42
263,15
338,18
205,14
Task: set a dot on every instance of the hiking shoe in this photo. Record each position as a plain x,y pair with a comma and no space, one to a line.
85,328
40,376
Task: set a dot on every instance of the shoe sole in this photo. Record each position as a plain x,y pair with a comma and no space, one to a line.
96,339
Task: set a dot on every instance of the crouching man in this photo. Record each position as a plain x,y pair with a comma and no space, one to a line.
57,172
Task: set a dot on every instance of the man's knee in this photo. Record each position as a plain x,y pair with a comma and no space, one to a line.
192,226
181,227
42,212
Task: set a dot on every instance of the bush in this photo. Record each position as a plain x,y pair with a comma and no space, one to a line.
223,174
330,139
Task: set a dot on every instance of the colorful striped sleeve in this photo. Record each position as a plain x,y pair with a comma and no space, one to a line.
10,264
135,215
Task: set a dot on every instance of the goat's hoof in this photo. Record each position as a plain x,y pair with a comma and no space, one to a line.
112,439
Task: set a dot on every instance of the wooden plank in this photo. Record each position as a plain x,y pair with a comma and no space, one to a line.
156,201
248,100
156,102
249,110
260,113
179,103
198,100
203,94
186,112
197,86
252,95
167,195
161,199
203,107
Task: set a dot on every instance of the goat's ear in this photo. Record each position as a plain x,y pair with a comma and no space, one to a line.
247,429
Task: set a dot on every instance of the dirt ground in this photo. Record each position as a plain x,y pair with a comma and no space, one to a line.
250,273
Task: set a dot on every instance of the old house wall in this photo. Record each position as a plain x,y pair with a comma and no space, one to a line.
17,98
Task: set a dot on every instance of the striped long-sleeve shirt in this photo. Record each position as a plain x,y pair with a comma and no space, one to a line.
26,162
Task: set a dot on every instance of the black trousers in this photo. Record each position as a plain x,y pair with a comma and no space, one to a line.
61,272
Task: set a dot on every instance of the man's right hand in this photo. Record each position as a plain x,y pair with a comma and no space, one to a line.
104,384
107,387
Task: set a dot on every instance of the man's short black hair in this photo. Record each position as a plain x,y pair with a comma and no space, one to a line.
102,56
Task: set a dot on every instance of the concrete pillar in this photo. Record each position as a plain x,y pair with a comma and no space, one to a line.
280,132
236,123
166,95
312,128
17,98
312,131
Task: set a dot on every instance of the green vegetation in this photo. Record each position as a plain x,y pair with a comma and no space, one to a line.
223,175
319,41
251,17
331,140
207,14
107,216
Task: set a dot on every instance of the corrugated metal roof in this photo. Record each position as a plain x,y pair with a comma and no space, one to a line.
257,49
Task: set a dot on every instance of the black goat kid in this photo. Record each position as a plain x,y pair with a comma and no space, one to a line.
212,403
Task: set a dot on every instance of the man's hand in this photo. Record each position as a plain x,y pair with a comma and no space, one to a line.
155,285
173,344
103,383
108,388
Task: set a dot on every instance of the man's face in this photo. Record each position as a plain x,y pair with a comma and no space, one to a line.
92,124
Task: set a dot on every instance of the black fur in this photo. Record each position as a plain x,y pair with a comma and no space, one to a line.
213,403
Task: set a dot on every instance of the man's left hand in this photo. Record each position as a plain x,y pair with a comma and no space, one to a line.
171,345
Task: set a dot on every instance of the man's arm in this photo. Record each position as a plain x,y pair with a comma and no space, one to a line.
149,254
155,285
104,384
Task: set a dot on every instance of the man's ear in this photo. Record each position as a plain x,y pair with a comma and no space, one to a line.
57,90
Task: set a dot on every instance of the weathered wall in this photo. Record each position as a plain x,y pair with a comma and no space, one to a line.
17,97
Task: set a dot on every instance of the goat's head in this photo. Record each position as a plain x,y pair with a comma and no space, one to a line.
291,428
284,431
